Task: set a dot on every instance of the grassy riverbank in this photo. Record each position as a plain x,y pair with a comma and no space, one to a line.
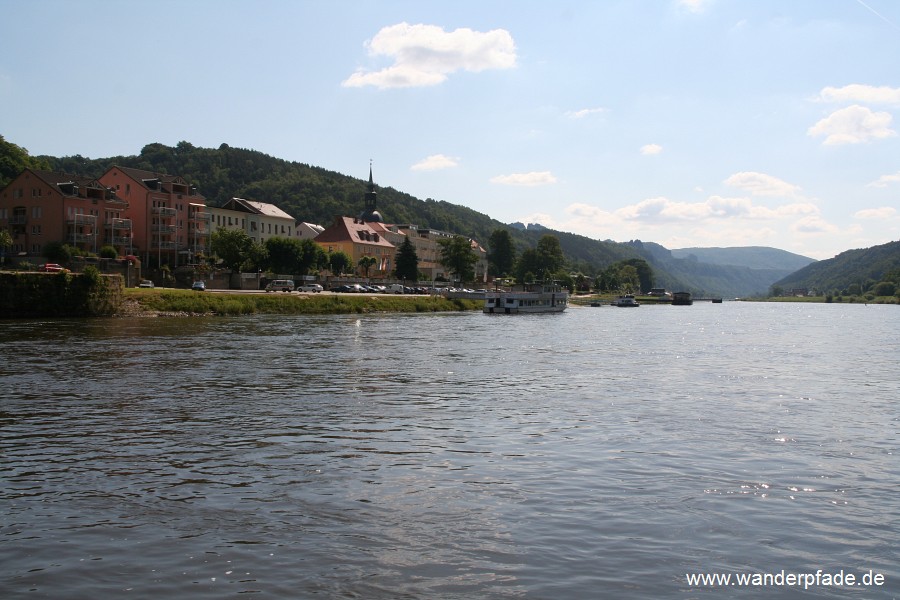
170,302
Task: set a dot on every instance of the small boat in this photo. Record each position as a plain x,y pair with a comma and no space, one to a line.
627,300
682,299
535,298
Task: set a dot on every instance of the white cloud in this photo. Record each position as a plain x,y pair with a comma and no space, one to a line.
885,212
814,224
853,125
694,6
435,162
584,112
884,180
663,210
760,184
532,179
591,214
651,149
426,54
861,93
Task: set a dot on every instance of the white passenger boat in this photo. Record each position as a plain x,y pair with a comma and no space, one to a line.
627,300
535,298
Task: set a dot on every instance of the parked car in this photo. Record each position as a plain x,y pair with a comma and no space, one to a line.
146,283
395,288
311,287
285,285
198,286
52,268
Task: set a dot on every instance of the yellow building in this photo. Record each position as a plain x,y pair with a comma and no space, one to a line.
357,239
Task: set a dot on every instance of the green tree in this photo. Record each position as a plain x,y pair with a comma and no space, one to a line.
458,257
312,256
527,265
257,257
629,281
322,257
6,242
644,273
57,252
15,159
339,262
885,288
366,263
109,252
284,254
406,263
550,254
543,262
232,246
501,253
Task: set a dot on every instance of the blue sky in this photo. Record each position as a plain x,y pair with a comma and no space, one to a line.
687,123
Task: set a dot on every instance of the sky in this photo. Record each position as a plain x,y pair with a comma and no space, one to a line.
689,123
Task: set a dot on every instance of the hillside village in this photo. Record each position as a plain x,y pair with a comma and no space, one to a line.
135,205
163,219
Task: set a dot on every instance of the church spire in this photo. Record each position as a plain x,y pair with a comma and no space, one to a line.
370,212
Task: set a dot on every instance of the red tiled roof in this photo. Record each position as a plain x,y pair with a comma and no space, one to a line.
346,229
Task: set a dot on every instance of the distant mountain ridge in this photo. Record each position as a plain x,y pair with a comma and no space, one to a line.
862,266
754,257
317,195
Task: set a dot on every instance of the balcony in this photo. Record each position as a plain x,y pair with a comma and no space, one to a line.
201,217
157,245
164,212
82,237
118,240
89,220
164,229
18,220
119,224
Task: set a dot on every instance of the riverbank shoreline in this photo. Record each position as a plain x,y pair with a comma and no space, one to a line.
186,303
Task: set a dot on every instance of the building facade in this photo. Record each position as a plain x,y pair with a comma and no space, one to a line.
259,220
38,207
170,223
359,239
368,235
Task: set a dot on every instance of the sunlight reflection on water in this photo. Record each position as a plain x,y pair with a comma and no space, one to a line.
461,455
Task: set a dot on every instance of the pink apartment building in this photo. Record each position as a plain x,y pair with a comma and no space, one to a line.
159,218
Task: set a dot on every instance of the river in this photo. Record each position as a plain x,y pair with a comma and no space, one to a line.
596,453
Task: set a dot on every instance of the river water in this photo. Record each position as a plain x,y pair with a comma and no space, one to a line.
597,453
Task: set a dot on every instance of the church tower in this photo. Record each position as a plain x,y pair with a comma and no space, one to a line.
370,213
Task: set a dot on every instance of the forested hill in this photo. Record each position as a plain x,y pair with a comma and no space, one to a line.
862,267
316,195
